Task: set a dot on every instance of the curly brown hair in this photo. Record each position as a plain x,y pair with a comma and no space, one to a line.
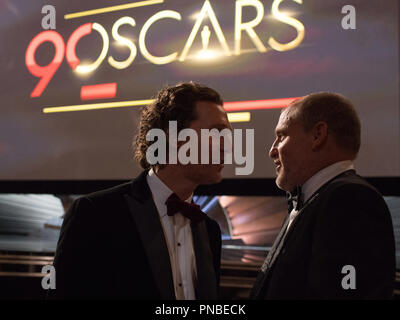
174,103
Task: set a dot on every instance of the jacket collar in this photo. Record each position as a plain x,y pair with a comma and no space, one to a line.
146,217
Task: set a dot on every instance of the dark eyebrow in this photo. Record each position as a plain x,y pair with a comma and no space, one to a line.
219,126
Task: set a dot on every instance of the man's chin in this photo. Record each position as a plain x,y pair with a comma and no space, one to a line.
216,179
213,179
281,185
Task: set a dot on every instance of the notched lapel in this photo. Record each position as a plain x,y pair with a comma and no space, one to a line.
287,234
262,275
300,214
278,240
206,287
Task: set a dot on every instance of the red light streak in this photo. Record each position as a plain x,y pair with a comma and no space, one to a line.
258,104
99,91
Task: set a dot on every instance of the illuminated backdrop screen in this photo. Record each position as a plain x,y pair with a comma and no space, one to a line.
255,52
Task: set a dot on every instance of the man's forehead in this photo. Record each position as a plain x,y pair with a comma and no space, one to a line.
289,114
208,109
211,114
284,120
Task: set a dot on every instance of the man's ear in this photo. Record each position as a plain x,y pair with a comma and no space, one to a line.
319,135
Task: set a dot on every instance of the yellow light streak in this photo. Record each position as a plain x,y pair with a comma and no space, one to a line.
96,106
111,9
239,116
232,116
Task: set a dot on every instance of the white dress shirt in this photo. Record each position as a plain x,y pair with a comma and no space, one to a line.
318,180
178,234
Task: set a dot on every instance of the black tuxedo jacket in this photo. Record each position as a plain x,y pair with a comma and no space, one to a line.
346,222
112,245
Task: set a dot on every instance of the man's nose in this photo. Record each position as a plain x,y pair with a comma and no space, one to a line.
273,152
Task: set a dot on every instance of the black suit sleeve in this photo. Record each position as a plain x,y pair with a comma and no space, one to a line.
354,228
74,265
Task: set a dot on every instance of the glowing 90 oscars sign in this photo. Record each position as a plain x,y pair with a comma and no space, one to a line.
45,73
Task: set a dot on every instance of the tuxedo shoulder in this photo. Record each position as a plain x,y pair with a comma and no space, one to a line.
352,183
109,193
98,206
353,193
102,201
116,192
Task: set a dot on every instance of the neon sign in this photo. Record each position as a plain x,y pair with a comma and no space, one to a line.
47,72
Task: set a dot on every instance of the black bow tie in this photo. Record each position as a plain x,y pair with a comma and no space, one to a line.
189,210
295,199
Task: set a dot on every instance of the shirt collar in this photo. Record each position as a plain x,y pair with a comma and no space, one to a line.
160,192
323,176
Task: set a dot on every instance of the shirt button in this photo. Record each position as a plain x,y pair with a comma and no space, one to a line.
179,244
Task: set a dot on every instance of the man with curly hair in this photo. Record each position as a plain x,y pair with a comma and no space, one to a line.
146,239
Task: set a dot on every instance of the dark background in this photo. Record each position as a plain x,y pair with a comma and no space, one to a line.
95,146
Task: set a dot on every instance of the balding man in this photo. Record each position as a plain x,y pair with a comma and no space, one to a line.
337,241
